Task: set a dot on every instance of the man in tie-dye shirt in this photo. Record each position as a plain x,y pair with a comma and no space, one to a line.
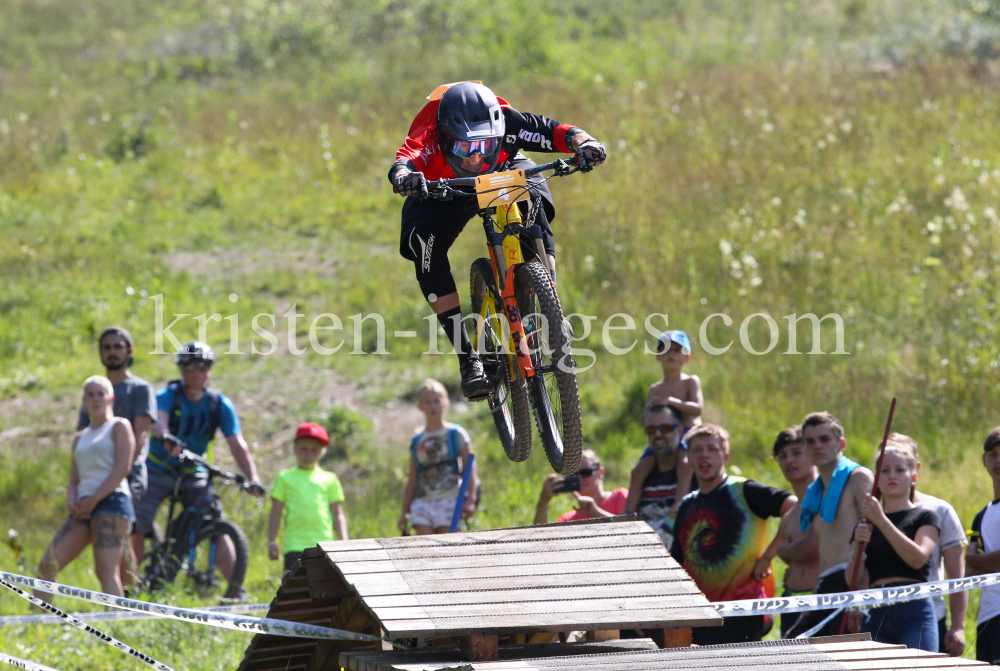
721,530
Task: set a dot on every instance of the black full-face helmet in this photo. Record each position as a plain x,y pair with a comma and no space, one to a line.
470,122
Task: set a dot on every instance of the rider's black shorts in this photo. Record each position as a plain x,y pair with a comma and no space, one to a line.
195,490
430,228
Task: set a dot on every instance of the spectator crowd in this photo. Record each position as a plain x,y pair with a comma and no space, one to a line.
129,456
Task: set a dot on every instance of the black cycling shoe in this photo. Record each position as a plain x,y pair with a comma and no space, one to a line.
475,384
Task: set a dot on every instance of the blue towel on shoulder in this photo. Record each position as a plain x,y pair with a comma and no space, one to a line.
815,502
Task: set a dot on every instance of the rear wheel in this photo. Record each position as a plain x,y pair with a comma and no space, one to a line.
204,567
554,393
509,400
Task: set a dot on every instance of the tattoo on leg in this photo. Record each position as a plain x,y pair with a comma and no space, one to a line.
105,534
66,527
107,541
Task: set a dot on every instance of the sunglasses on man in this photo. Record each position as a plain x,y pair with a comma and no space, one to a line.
196,365
651,429
587,472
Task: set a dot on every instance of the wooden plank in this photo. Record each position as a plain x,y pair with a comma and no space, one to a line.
482,561
385,584
699,657
608,565
515,595
354,568
359,555
360,660
765,658
621,543
883,654
890,664
335,549
854,645
581,606
359,544
506,624
517,534
376,584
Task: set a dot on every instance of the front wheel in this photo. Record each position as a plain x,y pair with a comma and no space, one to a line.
204,569
509,400
554,393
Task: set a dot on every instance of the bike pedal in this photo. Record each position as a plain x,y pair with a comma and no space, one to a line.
479,398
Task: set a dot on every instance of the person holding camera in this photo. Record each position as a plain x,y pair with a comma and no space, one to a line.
587,485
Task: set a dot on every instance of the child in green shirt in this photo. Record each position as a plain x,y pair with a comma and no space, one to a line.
308,497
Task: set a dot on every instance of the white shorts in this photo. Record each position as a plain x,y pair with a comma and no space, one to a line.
432,513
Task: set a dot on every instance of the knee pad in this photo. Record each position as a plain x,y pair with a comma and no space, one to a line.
430,253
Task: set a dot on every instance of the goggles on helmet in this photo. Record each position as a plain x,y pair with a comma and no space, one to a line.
467,148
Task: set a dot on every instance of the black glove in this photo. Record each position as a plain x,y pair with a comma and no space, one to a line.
409,183
590,153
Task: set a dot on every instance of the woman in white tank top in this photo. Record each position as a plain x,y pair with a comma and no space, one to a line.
100,505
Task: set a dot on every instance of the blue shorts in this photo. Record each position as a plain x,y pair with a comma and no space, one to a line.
116,504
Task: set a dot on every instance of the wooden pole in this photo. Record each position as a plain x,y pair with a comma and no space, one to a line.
878,470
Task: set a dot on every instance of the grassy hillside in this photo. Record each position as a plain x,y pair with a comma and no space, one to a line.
229,157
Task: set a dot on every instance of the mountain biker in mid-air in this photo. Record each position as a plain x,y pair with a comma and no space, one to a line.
465,131
190,412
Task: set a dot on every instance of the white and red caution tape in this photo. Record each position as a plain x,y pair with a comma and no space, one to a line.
70,620
256,625
867,598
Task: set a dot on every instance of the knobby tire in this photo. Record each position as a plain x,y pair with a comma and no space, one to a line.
509,402
554,394
204,575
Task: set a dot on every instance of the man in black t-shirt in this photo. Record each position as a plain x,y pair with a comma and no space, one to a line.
656,505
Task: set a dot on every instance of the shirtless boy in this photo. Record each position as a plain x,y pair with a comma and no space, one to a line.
799,549
680,391
832,506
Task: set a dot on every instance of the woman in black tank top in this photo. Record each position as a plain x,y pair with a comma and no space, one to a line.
900,539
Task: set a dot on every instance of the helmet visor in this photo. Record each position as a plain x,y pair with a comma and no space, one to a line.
467,148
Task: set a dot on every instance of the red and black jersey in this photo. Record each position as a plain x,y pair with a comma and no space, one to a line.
421,151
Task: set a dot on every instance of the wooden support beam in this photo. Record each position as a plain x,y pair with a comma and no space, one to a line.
478,648
323,581
603,635
671,638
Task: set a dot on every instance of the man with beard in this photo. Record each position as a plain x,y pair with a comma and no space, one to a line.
136,402
659,489
832,506
720,532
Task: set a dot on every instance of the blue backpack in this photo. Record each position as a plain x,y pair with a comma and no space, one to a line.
453,452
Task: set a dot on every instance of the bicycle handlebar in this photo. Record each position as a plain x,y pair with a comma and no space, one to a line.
443,189
188,456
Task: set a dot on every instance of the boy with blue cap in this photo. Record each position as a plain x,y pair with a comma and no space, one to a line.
681,392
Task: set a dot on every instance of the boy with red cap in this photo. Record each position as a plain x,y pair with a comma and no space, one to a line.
307,497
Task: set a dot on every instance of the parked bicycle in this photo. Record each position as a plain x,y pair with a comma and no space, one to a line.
190,541
522,336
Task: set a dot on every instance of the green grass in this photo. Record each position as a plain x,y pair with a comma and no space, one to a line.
781,158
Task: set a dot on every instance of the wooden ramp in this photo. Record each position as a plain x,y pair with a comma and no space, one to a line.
836,653
553,578
469,589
